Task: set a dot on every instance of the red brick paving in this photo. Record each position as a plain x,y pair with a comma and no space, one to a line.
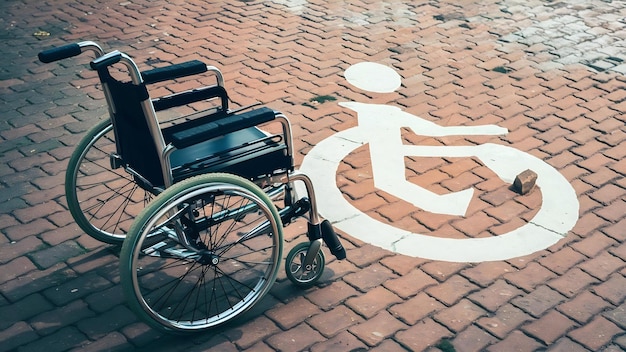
531,67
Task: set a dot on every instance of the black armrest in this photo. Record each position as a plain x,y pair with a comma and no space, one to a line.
192,96
173,71
199,133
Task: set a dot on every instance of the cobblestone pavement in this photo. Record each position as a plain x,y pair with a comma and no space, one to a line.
551,72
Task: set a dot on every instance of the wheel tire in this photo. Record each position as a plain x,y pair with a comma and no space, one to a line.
103,201
177,289
295,270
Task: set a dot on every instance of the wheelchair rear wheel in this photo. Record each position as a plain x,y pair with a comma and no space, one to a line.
233,236
103,201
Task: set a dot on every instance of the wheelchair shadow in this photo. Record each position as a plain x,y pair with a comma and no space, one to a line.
252,322
81,303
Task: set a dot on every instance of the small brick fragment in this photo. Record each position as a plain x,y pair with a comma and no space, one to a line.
525,181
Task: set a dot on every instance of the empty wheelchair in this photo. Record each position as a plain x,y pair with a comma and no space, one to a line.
199,204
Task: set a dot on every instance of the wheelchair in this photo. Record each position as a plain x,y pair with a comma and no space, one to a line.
198,205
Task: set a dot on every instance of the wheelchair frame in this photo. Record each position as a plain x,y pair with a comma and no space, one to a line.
197,207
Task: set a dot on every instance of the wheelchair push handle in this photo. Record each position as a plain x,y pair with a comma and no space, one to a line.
69,50
103,60
60,53
106,60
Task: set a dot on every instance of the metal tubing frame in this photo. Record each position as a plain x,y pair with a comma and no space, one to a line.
314,217
150,114
166,150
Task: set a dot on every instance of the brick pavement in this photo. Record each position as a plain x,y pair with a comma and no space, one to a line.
552,72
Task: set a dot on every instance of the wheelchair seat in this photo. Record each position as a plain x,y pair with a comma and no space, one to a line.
212,141
249,152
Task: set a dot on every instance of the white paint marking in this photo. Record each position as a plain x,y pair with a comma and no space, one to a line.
380,126
558,214
373,77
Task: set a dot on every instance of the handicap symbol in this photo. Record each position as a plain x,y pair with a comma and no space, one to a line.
380,126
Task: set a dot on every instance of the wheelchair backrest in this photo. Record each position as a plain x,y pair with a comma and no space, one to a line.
134,141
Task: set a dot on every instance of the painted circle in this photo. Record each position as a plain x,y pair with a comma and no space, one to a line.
373,77
556,217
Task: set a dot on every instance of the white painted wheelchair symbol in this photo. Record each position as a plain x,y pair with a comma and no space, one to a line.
380,127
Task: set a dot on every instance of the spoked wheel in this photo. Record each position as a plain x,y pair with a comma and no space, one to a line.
298,272
103,201
234,236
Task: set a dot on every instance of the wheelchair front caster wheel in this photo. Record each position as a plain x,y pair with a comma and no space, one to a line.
297,272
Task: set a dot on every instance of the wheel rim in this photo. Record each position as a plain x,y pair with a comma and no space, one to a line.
296,270
184,289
